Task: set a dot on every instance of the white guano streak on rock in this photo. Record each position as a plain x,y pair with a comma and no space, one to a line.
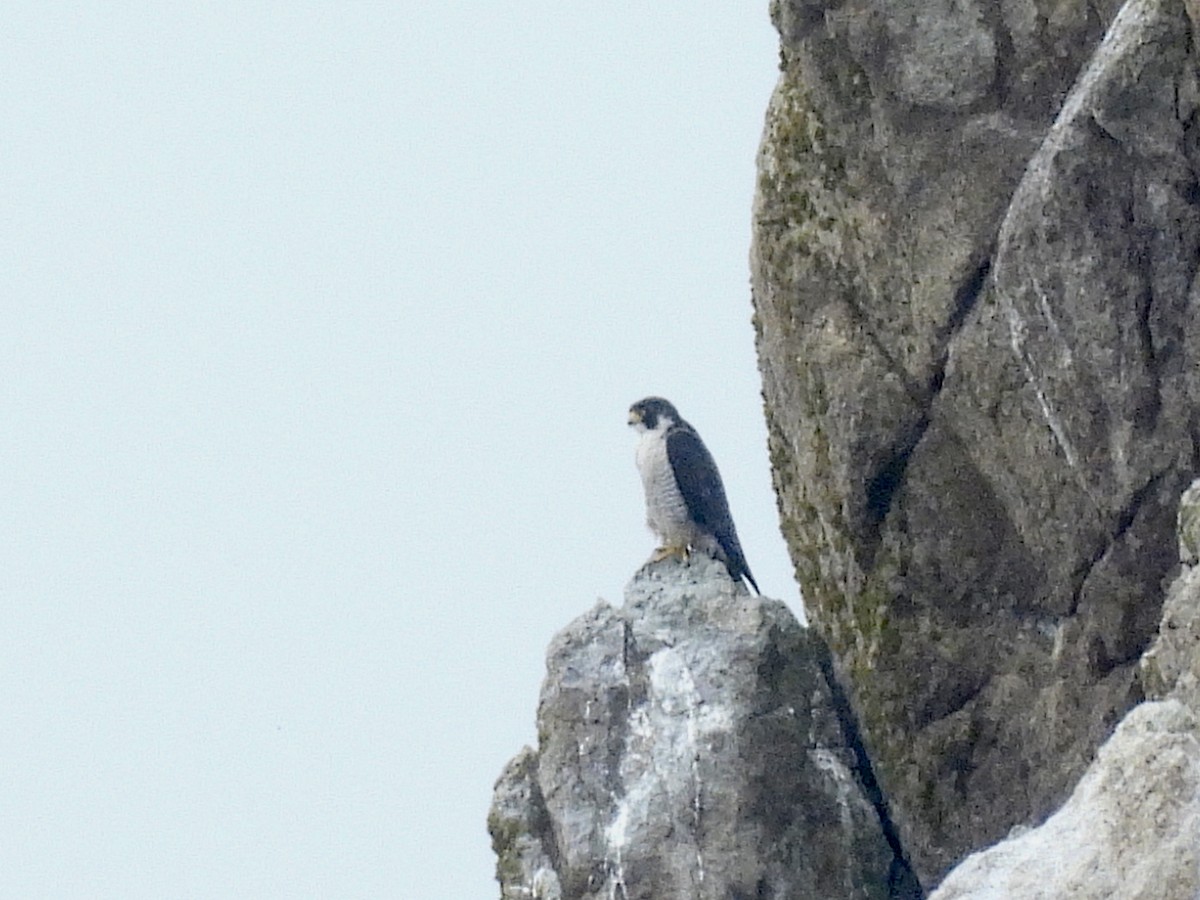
581,746
671,679
668,727
832,766
546,885
616,836
1066,359
1017,330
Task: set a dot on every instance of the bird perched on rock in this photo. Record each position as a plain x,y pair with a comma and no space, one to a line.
685,499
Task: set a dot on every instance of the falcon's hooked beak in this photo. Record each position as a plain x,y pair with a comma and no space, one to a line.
635,417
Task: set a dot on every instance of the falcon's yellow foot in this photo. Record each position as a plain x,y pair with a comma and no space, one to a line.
680,553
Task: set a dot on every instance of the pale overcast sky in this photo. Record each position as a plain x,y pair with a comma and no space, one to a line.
321,322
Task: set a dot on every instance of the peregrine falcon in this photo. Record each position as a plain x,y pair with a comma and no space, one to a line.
685,499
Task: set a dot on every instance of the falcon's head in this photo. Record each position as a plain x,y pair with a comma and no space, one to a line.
653,414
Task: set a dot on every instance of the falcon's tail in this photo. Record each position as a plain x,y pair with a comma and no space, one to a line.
735,561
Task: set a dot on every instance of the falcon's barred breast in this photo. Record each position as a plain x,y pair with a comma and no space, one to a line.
685,499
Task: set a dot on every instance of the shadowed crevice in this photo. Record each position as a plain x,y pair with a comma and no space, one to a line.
541,825
966,298
902,881
884,484
1145,415
1124,521
881,488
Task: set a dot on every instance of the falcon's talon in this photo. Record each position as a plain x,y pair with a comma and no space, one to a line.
680,553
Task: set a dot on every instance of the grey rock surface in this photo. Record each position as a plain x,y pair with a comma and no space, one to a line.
1171,667
976,238
519,825
689,747
1130,831
1131,828
1187,525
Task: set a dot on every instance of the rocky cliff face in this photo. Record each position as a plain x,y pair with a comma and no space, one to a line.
1131,828
690,747
976,239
